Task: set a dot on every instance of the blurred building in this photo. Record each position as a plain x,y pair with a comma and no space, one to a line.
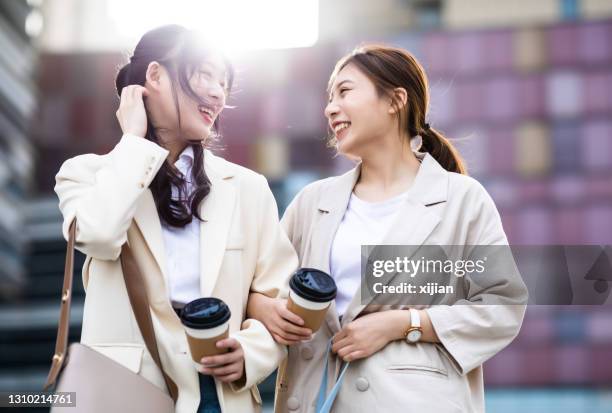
17,154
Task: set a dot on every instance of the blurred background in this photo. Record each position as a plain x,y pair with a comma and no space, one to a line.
523,88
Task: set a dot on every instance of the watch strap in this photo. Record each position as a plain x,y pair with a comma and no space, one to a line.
415,318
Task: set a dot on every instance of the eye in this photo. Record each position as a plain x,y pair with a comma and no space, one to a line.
343,90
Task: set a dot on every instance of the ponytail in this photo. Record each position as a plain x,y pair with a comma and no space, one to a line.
123,78
442,150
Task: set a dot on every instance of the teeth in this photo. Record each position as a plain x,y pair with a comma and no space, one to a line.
341,126
204,109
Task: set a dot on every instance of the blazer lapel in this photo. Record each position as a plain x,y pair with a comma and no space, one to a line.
415,221
216,211
331,208
148,222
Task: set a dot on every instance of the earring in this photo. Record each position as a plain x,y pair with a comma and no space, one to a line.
416,142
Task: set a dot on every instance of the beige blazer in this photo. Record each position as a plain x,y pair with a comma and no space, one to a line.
243,248
442,209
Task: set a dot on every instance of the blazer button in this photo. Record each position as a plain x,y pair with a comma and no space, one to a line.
293,403
306,353
362,384
142,185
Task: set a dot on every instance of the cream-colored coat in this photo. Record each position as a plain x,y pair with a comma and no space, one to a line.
243,249
442,209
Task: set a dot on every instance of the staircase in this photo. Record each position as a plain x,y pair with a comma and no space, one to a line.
28,320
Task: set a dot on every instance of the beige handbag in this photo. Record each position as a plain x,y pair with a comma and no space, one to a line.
101,384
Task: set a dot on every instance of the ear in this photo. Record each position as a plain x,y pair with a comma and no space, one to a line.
154,74
398,100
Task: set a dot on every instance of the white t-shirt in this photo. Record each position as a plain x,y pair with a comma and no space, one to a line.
182,245
364,223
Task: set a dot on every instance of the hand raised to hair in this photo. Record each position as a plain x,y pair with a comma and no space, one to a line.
132,115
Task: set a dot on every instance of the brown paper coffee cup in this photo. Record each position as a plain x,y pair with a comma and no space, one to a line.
312,313
203,343
206,321
311,291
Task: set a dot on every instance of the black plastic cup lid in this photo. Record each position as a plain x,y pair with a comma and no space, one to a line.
207,312
313,285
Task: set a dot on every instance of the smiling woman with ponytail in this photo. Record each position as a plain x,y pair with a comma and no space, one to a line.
197,226
410,187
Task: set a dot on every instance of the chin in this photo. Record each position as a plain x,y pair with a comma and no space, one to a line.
197,136
346,147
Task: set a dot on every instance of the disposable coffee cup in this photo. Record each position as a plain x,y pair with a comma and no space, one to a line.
311,292
206,321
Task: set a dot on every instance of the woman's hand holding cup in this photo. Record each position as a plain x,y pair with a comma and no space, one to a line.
206,323
286,327
227,367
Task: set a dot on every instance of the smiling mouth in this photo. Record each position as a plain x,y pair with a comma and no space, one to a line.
207,113
341,128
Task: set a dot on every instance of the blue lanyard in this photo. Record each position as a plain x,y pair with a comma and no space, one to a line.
324,404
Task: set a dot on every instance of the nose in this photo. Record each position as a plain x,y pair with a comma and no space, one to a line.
216,92
331,110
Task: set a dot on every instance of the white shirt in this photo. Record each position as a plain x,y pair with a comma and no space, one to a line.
364,223
183,245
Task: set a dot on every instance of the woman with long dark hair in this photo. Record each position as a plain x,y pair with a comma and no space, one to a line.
197,225
409,187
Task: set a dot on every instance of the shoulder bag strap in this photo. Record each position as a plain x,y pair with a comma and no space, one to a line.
138,299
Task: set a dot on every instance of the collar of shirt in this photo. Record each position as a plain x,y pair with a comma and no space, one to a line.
185,161
184,164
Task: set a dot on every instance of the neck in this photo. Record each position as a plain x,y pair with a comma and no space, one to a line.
389,167
171,142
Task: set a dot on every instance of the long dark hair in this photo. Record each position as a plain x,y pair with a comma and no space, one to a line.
180,51
390,67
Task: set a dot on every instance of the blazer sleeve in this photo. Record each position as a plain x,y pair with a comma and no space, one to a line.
487,320
102,192
276,261
290,222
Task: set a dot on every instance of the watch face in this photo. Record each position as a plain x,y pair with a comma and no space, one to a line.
414,336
